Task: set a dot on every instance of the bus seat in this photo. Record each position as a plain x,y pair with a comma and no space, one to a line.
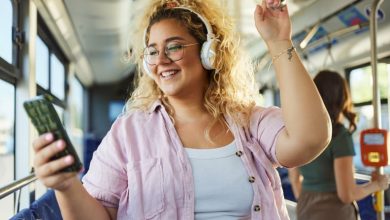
24,214
45,208
90,145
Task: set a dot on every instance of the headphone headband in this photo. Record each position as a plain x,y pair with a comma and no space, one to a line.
210,34
207,53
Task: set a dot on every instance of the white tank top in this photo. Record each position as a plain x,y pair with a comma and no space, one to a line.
222,189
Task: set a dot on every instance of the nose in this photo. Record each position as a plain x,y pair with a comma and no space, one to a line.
162,58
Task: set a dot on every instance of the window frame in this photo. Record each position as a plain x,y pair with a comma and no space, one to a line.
48,39
10,72
383,101
348,72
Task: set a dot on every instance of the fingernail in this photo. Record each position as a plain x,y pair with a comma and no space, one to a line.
48,137
68,159
59,144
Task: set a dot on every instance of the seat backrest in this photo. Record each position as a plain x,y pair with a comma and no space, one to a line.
24,214
45,208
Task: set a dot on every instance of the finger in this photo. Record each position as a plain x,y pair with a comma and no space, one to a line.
54,166
272,3
284,9
277,7
44,155
42,141
272,7
263,10
375,173
264,4
259,12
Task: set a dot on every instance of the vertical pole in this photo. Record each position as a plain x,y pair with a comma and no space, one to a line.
379,196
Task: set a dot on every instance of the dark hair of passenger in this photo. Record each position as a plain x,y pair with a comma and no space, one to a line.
337,99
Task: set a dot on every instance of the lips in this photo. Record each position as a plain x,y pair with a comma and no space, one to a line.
168,74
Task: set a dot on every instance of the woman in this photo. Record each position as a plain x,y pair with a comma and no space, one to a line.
192,144
329,190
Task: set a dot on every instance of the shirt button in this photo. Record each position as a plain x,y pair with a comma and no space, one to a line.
251,179
256,208
239,153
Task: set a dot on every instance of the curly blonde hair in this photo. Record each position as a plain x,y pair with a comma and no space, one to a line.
232,90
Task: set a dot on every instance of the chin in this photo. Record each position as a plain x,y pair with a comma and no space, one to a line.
169,92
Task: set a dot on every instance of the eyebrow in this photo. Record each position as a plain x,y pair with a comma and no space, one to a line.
168,40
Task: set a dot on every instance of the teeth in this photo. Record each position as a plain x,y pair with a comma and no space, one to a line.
168,73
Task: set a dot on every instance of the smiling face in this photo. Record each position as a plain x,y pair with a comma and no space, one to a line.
182,78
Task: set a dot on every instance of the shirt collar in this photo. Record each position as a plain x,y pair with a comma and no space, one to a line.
154,106
157,104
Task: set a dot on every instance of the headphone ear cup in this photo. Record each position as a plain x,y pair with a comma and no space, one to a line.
208,54
146,68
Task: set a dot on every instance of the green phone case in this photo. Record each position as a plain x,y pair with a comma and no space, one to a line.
45,119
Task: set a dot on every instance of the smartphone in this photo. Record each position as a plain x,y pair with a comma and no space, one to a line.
45,119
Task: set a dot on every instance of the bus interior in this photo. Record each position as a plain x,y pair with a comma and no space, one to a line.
75,51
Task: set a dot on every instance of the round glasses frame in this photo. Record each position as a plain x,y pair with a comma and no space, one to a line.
174,52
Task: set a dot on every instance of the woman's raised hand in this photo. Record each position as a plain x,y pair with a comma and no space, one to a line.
272,22
47,170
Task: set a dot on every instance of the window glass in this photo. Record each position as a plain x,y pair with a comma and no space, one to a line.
361,91
361,83
75,104
42,63
57,77
7,157
115,108
268,98
6,30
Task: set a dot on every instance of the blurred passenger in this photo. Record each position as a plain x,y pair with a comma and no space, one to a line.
192,144
325,188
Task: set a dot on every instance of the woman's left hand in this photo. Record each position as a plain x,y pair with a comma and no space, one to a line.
273,24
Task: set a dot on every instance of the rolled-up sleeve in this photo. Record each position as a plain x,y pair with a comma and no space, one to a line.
106,178
267,125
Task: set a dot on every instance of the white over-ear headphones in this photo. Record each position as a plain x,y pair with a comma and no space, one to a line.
207,53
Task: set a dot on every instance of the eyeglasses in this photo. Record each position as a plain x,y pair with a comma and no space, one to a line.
173,50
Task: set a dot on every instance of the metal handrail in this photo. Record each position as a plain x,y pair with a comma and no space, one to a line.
13,187
337,33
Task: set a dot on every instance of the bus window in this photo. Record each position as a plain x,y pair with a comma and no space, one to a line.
75,103
360,80
7,119
57,79
361,83
6,27
42,65
51,64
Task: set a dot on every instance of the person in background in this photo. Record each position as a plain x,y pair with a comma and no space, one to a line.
325,188
193,144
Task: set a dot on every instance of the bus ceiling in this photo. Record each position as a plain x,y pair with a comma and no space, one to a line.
94,34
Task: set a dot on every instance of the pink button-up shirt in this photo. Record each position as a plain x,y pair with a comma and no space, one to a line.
142,169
